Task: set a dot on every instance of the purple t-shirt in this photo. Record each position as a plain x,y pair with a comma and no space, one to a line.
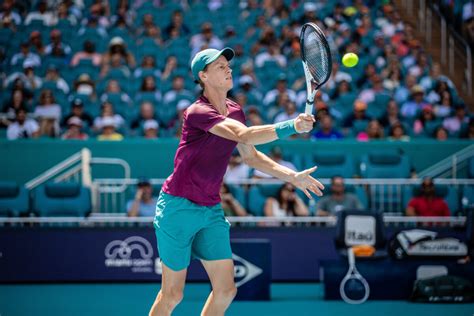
202,157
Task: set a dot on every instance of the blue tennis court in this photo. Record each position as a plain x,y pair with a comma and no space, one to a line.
135,299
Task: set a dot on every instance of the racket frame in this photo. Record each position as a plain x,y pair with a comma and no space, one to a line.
353,274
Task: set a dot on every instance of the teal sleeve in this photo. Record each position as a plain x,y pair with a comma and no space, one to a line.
285,129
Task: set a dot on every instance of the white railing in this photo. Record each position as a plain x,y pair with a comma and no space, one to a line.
384,195
108,220
450,165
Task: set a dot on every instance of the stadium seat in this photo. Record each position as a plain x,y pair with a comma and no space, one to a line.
62,199
14,199
331,164
385,164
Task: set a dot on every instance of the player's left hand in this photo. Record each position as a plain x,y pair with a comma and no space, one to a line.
305,182
304,123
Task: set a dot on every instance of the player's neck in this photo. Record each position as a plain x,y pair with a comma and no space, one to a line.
217,99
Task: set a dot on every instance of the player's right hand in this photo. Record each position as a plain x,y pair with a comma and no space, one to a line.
304,123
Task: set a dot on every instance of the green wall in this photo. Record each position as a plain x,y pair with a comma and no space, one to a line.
23,160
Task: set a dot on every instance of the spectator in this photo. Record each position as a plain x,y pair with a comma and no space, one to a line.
205,39
148,91
147,22
147,112
445,107
411,108
25,54
115,69
460,119
247,87
441,133
337,200
92,29
107,115
289,114
28,77
56,43
150,129
397,133
22,127
392,115
469,132
85,86
64,15
286,203
114,92
8,17
17,101
108,130
177,23
118,48
48,113
272,55
77,110
358,115
229,203
277,155
373,131
177,93
253,116
144,203
54,78
425,121
147,67
36,43
88,53
281,88
74,126
402,93
327,131
427,203
171,66
236,170
43,15
368,95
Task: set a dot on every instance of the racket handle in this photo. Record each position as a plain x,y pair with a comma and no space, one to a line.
309,108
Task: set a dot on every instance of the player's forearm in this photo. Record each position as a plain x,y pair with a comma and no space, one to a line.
268,166
257,135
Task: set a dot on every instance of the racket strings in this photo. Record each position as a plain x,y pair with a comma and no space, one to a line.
316,54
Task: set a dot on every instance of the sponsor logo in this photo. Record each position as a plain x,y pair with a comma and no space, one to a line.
134,252
359,236
359,230
244,271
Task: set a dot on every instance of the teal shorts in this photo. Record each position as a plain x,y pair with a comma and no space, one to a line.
185,230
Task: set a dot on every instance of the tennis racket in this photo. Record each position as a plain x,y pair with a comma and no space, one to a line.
354,289
317,62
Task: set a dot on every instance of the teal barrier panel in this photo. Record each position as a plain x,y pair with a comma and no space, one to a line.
25,159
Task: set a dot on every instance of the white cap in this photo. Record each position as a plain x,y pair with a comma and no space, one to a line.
117,40
183,105
150,124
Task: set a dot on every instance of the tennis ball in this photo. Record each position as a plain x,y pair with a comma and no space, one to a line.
350,59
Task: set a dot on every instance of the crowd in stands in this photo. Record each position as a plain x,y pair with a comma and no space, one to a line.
78,69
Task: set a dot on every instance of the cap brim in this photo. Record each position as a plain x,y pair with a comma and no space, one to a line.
227,52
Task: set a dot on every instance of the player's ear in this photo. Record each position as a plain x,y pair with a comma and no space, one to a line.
202,76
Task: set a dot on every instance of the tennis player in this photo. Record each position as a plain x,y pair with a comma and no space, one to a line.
189,221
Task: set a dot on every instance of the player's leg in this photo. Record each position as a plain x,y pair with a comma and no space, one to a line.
221,274
212,245
171,293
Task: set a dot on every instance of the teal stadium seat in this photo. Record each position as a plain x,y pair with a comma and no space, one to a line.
331,164
14,199
62,199
385,164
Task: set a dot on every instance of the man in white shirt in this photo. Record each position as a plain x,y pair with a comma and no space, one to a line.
22,127
47,17
236,170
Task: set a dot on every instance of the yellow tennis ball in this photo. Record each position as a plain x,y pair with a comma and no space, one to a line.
350,60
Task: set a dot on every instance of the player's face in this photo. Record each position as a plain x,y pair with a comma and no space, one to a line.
219,75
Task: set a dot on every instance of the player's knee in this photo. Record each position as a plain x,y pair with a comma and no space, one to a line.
226,294
173,297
